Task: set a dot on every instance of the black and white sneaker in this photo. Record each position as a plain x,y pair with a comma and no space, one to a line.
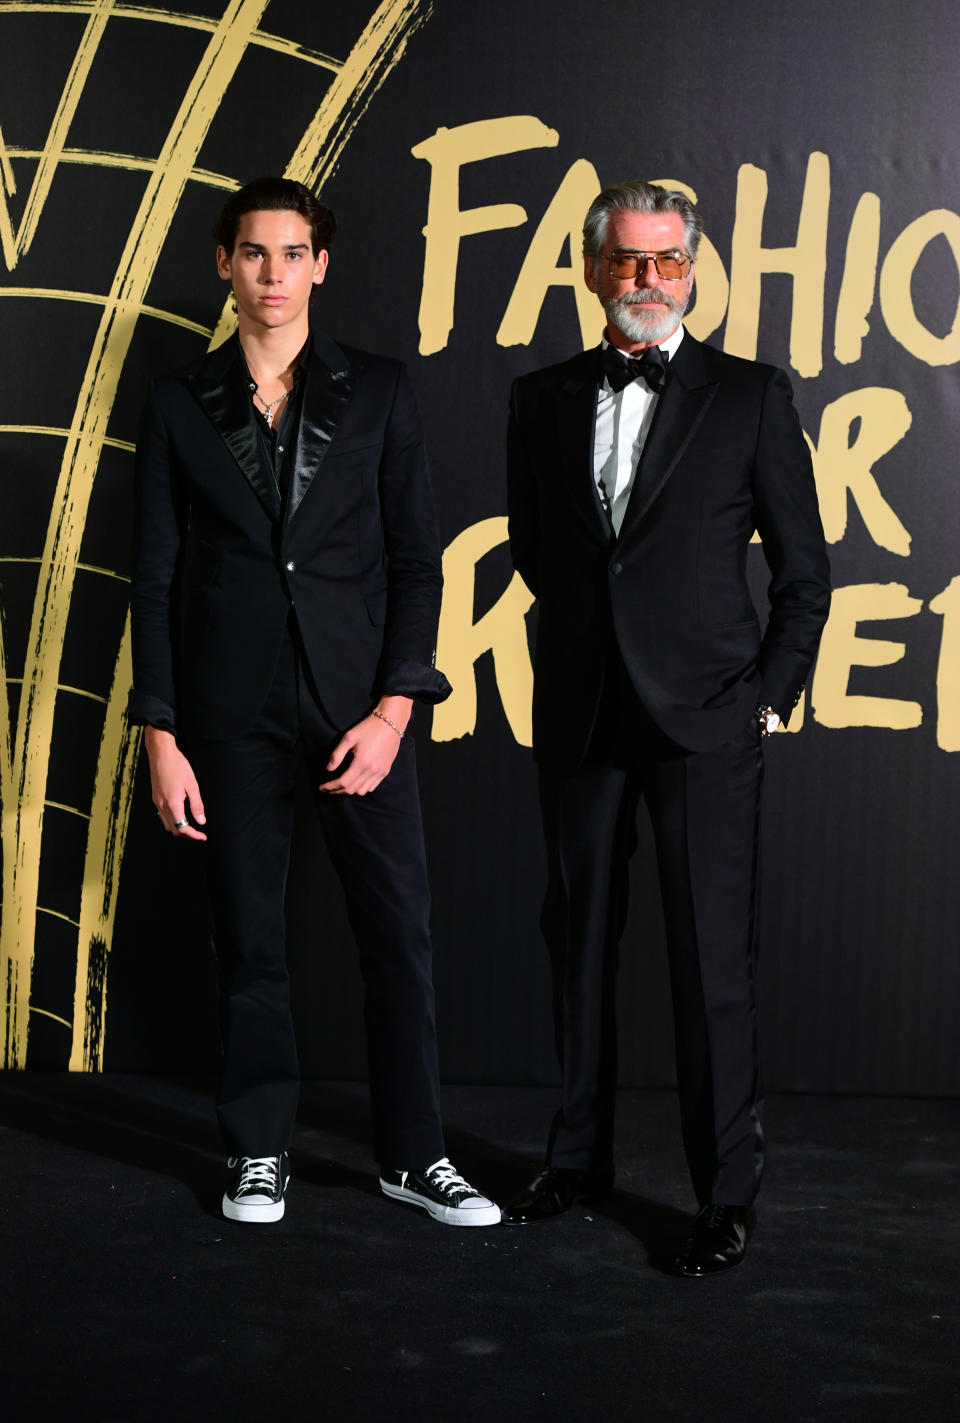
256,1188
441,1193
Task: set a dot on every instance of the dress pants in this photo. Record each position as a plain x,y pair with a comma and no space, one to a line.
376,845
704,808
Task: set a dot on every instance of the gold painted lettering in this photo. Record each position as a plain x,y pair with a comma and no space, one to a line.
859,281
806,263
447,151
501,630
712,287
947,604
843,468
562,221
842,649
796,717
896,301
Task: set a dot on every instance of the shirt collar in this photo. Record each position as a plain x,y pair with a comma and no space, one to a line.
299,369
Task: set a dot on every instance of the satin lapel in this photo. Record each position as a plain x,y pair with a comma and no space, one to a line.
331,382
576,420
683,404
218,386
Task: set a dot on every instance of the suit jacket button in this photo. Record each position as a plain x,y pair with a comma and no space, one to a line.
291,566
616,568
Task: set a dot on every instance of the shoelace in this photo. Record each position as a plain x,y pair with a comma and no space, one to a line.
443,1174
258,1171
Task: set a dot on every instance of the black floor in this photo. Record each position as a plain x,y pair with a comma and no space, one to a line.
126,1297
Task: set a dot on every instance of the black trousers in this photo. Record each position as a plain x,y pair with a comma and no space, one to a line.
376,845
704,808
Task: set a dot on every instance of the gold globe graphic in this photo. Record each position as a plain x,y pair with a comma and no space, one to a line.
67,751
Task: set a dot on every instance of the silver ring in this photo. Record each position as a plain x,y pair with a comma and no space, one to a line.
179,824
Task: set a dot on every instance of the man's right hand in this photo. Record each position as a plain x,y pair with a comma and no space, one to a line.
174,785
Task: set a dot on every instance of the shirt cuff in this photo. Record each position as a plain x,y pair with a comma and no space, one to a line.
146,710
413,679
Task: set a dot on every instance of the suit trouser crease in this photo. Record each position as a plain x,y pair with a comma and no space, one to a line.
376,846
704,808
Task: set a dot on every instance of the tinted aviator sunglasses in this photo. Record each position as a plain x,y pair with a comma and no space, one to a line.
630,265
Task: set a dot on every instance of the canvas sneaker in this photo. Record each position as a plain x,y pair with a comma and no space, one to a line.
256,1187
442,1193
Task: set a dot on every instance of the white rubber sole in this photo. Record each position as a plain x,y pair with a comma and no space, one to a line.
252,1212
446,1215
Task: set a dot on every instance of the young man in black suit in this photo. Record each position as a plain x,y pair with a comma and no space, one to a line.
638,472
285,603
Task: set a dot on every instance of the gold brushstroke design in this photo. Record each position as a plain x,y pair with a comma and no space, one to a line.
63,687
70,502
109,818
376,53
16,245
61,432
102,158
289,48
8,819
120,307
54,914
81,568
70,809
44,1013
7,816
82,692
7,178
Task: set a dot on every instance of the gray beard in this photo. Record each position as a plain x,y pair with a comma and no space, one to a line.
645,325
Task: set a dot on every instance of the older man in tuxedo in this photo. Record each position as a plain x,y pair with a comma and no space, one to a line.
285,603
638,472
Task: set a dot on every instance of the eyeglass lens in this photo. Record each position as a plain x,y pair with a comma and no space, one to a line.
669,265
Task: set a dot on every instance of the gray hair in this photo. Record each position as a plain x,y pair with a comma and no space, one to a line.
637,196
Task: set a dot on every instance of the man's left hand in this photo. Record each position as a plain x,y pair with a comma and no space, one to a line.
374,743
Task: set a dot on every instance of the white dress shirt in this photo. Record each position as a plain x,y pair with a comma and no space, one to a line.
623,423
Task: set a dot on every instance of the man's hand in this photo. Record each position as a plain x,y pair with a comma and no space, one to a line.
174,785
374,743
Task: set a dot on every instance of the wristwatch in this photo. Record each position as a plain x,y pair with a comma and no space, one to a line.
768,720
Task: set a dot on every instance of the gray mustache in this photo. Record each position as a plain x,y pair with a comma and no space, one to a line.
649,294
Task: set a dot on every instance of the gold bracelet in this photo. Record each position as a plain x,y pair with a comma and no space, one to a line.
392,725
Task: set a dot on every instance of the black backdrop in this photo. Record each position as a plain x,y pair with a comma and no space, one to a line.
819,142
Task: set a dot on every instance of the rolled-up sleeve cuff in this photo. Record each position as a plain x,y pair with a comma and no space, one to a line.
146,710
413,679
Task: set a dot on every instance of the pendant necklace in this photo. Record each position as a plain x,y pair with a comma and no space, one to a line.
268,409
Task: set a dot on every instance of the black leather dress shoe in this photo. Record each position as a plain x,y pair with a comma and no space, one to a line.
554,1191
717,1242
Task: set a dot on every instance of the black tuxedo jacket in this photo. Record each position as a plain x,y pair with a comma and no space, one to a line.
725,455
219,563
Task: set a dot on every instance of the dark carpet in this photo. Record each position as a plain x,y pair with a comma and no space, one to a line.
128,1299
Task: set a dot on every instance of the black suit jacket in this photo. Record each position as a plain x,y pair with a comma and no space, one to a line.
725,455
219,564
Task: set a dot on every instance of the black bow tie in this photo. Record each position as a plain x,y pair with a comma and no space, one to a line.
650,367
